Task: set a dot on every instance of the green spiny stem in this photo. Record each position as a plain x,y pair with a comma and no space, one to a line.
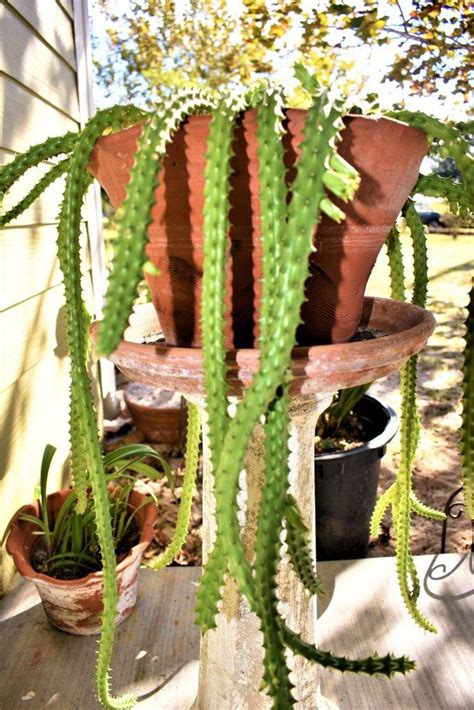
424,510
276,677
77,321
299,548
134,215
184,515
209,593
36,154
386,499
384,665
455,193
307,195
36,191
420,256
455,144
395,262
273,204
467,427
216,226
409,436
89,456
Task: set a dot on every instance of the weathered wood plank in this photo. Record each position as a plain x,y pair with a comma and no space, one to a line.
156,655
66,6
22,50
363,612
34,328
52,23
28,264
26,120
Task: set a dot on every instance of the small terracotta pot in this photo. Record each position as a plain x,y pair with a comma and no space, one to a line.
159,414
75,605
387,154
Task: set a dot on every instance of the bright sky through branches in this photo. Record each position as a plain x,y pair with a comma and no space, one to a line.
370,63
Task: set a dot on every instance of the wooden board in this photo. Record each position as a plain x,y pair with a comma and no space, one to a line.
27,120
156,653
28,263
51,22
23,50
362,612
157,648
34,413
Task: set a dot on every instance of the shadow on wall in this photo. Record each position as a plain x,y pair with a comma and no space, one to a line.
40,84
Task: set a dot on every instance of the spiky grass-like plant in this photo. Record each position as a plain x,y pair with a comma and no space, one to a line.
287,229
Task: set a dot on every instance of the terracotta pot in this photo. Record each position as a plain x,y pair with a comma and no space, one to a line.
75,605
159,414
387,155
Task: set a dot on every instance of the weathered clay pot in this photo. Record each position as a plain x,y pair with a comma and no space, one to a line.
387,154
75,605
159,414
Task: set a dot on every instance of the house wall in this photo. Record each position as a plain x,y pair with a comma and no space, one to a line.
39,97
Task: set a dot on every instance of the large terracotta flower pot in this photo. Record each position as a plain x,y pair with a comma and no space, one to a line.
75,605
387,154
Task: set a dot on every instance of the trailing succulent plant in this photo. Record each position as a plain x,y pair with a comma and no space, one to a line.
287,229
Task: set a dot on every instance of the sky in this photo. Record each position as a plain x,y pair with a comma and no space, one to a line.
371,63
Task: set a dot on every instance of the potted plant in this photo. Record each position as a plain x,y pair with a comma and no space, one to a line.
56,547
351,439
290,205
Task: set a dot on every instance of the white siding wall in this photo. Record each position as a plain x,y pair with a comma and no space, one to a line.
39,97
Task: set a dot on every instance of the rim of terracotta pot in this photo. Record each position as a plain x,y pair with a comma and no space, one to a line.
146,517
315,369
175,235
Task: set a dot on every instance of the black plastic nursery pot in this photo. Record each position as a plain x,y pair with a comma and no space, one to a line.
346,486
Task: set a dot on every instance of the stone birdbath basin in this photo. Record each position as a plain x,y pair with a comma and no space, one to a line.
231,654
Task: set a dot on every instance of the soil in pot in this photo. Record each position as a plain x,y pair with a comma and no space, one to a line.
346,481
39,557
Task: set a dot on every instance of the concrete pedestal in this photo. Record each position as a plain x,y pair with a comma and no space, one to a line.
230,669
231,655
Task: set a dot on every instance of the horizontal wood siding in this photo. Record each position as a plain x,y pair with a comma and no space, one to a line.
38,86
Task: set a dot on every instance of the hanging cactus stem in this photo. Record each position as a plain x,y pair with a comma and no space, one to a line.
288,217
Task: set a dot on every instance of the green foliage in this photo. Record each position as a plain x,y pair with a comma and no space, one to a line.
70,547
331,420
467,429
299,550
400,496
455,193
184,514
35,192
205,42
50,148
446,140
